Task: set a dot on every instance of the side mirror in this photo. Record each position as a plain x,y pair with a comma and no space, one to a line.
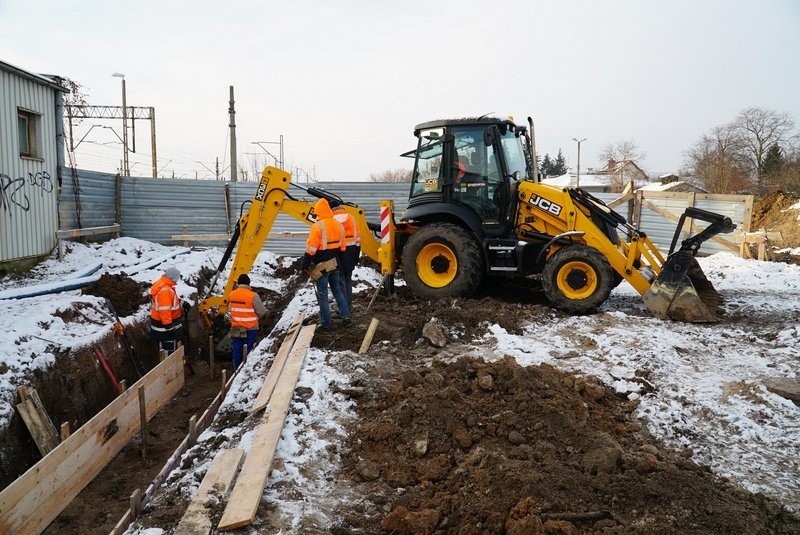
489,135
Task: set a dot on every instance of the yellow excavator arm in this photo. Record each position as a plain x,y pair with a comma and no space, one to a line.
253,228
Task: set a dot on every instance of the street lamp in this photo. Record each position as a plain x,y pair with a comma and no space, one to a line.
125,169
578,173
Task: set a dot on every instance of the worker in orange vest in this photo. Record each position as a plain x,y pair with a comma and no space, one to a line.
244,310
321,262
166,314
349,258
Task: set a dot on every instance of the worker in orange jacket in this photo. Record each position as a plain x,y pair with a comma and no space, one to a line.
321,262
166,313
349,258
244,310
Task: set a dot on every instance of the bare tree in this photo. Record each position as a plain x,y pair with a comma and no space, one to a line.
717,161
391,175
622,150
758,129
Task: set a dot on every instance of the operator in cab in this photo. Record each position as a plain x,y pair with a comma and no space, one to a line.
166,311
244,310
320,261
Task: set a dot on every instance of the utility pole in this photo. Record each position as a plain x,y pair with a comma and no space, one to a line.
125,169
232,114
578,173
216,174
153,140
279,158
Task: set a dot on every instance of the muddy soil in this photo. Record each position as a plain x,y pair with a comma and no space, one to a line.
445,442
771,212
449,444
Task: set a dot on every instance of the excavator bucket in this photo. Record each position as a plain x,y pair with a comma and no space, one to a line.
683,293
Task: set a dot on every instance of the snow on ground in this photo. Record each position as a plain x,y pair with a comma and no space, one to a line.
699,386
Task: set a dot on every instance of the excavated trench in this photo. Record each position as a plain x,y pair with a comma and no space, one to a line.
76,388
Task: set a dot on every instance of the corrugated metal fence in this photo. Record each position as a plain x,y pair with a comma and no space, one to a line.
156,209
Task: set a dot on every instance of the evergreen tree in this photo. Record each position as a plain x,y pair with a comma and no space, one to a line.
546,166
773,160
560,165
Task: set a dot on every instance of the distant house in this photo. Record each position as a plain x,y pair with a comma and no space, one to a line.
624,170
589,182
31,151
672,182
596,181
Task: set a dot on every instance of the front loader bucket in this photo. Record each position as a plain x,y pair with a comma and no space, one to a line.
683,293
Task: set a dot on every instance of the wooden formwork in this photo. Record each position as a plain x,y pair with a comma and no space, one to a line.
29,504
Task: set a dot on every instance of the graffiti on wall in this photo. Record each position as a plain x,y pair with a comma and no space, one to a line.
13,194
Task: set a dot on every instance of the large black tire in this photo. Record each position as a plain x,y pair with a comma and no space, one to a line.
577,279
442,260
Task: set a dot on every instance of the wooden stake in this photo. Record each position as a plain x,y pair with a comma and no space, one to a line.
136,503
373,326
211,357
123,386
143,416
193,429
224,380
65,431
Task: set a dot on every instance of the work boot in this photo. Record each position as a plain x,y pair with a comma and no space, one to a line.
324,329
347,322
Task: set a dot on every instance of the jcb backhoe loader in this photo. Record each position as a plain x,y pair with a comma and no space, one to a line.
478,214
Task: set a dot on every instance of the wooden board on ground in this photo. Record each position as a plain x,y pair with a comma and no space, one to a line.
246,495
277,365
31,502
217,481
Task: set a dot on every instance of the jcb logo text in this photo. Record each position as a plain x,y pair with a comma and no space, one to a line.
546,205
262,188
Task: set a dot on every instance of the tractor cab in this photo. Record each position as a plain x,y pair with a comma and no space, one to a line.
469,168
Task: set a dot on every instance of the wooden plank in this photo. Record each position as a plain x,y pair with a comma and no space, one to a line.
217,481
200,237
33,421
278,363
89,231
246,495
31,502
373,326
756,237
672,217
45,418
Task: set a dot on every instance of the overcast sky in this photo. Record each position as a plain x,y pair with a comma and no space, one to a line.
345,82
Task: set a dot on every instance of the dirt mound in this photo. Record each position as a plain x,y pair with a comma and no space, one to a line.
476,447
125,294
771,212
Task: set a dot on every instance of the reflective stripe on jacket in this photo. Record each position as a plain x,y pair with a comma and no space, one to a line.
325,238
165,307
241,308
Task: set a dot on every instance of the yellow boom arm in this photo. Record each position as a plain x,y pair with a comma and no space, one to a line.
254,227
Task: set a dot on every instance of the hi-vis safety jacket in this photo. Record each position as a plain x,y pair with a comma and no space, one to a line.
165,307
351,235
326,237
245,307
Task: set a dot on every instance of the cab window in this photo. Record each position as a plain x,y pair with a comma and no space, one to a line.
476,173
428,174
